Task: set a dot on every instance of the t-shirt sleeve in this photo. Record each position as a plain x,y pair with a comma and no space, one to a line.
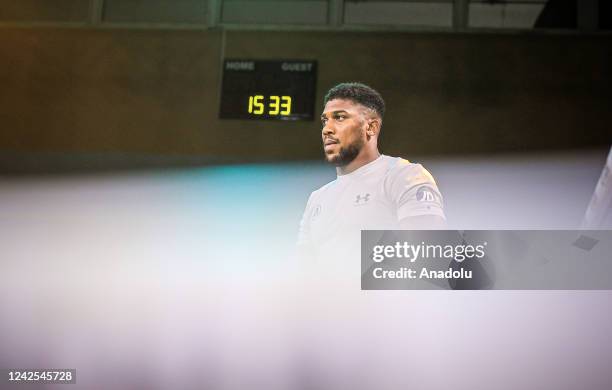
414,191
304,241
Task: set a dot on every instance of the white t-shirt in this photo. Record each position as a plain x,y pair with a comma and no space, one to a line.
374,197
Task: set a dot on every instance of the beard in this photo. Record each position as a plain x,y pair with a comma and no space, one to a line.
346,154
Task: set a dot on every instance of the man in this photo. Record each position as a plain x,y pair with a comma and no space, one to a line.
372,191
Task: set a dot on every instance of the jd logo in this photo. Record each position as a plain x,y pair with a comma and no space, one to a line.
425,194
362,199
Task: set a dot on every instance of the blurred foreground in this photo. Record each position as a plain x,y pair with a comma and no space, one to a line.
184,279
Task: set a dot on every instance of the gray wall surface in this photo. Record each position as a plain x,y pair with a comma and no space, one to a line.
82,90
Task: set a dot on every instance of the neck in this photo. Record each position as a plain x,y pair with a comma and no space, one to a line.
363,158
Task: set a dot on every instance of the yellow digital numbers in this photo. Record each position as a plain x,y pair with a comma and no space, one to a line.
276,105
286,105
255,101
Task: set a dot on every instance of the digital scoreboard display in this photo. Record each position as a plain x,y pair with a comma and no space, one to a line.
273,90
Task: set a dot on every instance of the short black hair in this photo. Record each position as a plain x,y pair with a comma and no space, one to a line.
358,93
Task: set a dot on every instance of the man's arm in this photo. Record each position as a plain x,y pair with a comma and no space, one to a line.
416,196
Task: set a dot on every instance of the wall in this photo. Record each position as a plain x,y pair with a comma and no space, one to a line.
155,92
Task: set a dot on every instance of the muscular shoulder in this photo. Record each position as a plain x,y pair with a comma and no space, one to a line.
413,190
405,173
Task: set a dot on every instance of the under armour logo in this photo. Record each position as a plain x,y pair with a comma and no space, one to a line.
362,199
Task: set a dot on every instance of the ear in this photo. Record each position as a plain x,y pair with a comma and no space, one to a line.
373,127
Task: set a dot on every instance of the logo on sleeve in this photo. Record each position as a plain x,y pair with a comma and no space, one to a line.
426,194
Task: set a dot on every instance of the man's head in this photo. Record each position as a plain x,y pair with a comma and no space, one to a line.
351,119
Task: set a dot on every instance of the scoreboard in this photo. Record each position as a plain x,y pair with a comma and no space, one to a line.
268,90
